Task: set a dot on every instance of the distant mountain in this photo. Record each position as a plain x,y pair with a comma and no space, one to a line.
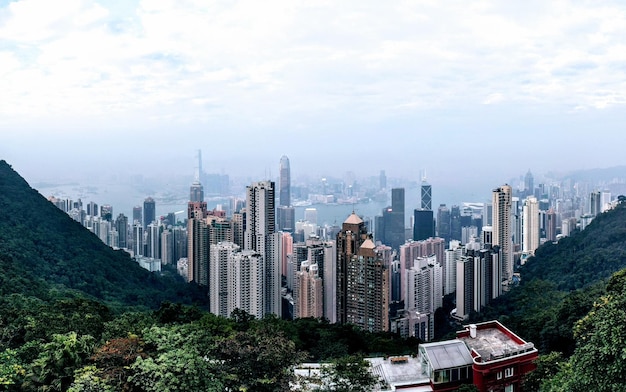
44,252
592,175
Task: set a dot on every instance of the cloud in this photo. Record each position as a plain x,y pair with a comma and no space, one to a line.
278,62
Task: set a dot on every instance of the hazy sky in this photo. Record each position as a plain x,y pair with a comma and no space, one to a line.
464,90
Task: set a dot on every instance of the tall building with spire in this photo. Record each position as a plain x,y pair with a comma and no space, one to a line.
196,191
502,236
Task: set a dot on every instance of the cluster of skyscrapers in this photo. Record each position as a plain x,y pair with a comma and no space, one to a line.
260,260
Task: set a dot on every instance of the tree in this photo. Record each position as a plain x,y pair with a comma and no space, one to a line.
114,358
53,370
174,360
599,361
350,373
11,370
88,379
260,359
547,366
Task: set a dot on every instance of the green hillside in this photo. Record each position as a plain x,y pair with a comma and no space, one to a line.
561,283
44,253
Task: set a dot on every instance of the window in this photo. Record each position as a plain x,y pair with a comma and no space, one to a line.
508,372
508,388
499,376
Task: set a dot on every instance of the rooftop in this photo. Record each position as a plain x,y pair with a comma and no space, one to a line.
447,354
494,341
401,372
368,244
353,219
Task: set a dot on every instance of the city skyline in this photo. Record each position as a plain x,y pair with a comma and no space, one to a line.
135,87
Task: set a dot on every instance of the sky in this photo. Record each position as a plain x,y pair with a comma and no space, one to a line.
465,91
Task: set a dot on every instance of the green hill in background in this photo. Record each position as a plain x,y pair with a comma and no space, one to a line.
46,254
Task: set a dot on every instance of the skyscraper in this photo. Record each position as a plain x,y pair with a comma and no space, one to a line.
502,228
196,191
308,300
198,249
153,240
121,225
423,224
427,195
260,236
529,184
390,227
362,278
443,223
106,212
530,225
137,215
285,213
551,224
425,290
395,230
284,185
149,212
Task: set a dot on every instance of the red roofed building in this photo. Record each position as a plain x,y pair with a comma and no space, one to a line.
500,357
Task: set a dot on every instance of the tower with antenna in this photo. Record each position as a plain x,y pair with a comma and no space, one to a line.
196,191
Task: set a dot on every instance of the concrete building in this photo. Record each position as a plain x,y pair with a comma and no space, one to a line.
308,293
198,246
362,279
500,358
451,256
261,236
247,285
411,250
478,280
425,292
223,279
501,199
530,225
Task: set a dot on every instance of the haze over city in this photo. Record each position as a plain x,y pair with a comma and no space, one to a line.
472,94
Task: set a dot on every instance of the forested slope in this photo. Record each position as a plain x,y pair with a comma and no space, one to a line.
44,252
561,283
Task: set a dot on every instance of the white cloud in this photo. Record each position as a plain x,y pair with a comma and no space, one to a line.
280,61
